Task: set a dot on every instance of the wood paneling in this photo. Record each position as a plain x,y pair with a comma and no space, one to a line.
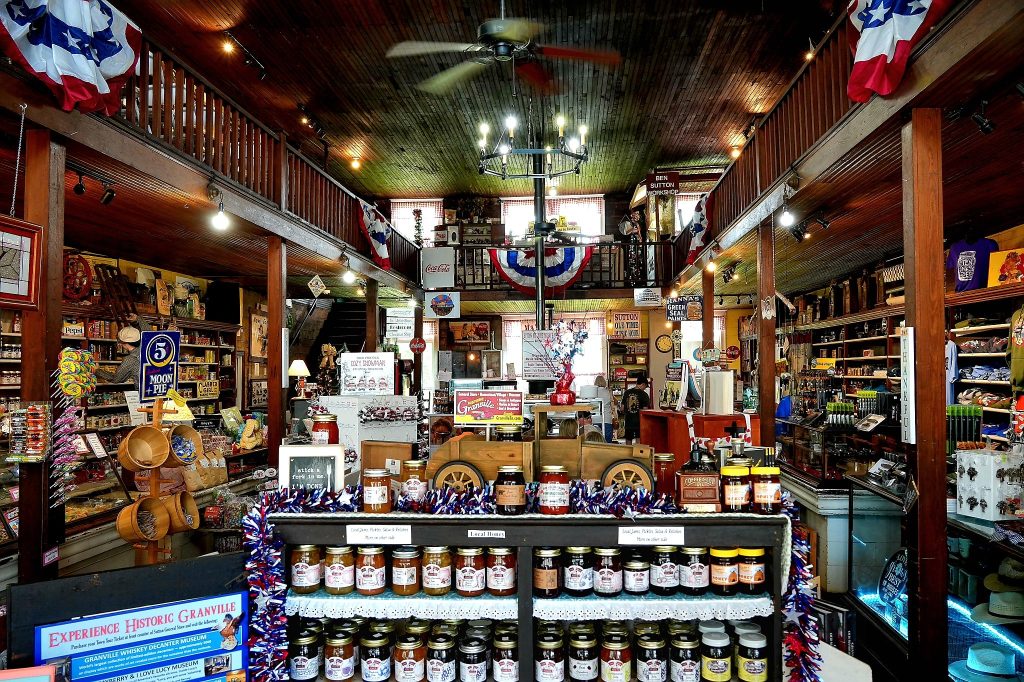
276,277
766,331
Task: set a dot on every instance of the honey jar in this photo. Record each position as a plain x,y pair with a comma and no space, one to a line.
339,570
305,569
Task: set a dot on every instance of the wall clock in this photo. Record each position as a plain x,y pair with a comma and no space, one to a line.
19,263
664,343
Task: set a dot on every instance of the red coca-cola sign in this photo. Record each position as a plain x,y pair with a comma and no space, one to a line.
417,345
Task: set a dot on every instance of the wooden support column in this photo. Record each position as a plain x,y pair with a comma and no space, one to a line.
707,337
277,268
925,287
766,330
372,319
417,358
41,527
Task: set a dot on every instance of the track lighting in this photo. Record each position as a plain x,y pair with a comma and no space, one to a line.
220,220
231,42
79,189
809,55
786,219
799,232
348,277
108,194
726,277
985,124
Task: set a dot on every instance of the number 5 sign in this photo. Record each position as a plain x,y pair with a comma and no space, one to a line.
158,366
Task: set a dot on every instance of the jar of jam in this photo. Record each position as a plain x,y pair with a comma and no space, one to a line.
419,627
636,576
614,627
383,627
472,660
651,659
735,489
410,659
607,571
339,570
370,571
646,627
376,491
549,659
483,633
767,490
694,571
506,627
501,571
405,572
325,429
584,658
441,664
751,571
681,627
375,658
752,658
616,659
715,658
350,627
664,574
305,569
578,572
339,663
437,571
665,473
510,491
304,657
413,479
470,572
725,574
547,572
505,660
553,490
685,665
509,433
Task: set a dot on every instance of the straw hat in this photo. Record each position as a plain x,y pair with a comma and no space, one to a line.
986,662
1002,608
1009,577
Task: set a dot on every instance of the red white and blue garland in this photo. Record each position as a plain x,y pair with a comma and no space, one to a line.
800,629
562,267
377,231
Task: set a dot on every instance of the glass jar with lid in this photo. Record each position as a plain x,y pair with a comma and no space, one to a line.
339,662
510,491
472,660
665,474
607,571
339,570
383,627
664,573
441,659
767,490
304,657
405,571
616,659
375,657
414,480
685,664
752,658
369,570
735,489
553,490
505,660
752,570
419,627
549,658
694,571
636,576
410,659
715,658
651,659
437,571
578,572
725,575
470,572
376,491
325,429
501,571
509,433
547,574
584,657
305,569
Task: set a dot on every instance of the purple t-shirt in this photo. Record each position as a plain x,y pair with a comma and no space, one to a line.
969,261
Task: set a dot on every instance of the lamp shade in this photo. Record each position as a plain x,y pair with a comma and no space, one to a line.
298,369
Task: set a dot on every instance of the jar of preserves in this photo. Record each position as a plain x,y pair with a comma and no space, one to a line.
665,473
470,572
694,571
414,480
752,658
547,572
510,491
304,657
651,659
484,635
553,490
715,658
510,433
501,571
616,659
419,627
437,571
685,665
664,574
636,576
405,571
584,661
614,627
472,660
305,569
375,658
578,571
441,663
410,659
339,570
646,627
767,490
681,627
349,627
505,660
376,491
383,627
725,575
325,429
752,571
735,489
506,627
339,663
607,571
549,659
370,571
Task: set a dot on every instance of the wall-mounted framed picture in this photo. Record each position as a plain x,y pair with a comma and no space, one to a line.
258,393
19,263
258,335
470,332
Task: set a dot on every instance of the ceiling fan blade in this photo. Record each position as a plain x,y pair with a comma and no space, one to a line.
411,48
517,30
537,76
606,57
445,82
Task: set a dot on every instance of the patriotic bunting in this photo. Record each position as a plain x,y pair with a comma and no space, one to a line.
377,232
562,267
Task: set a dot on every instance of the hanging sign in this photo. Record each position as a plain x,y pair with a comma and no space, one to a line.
537,363
625,325
732,353
417,345
647,297
908,409
158,371
317,287
366,373
685,308
437,267
478,408
207,389
664,182
892,583
443,306
400,323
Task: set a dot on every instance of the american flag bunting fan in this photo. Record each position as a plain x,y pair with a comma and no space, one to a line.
698,229
562,267
377,232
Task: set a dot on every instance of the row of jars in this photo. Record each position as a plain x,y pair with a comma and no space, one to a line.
664,571
435,571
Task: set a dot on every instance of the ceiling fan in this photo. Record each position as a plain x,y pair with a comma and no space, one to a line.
500,40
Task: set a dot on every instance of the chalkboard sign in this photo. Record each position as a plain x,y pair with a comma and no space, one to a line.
207,423
312,466
893,581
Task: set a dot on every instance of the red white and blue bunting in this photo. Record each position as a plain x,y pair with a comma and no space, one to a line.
377,232
562,267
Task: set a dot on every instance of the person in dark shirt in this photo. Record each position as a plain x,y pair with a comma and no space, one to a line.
634,400
128,371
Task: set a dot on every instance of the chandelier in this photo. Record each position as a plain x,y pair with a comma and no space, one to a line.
504,159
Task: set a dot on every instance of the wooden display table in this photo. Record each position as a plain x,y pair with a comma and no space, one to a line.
667,431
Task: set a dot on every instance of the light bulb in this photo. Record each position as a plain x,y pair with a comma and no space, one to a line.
484,129
228,46
552,191
673,294
349,277
511,123
503,149
735,152
574,145
220,221
711,266
560,122
304,120
583,135
548,150
356,163
668,325
482,143
786,219
809,55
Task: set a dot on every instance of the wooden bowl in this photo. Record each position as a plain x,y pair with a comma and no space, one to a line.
145,447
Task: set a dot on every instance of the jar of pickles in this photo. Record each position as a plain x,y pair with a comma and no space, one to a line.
437,571
339,570
470,572
305,569
405,571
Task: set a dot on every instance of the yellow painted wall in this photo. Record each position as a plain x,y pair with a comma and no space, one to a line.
732,337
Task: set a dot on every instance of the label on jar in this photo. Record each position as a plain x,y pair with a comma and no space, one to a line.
685,671
767,493
752,669
751,574
545,578
615,671
375,669
500,578
715,669
664,575
583,670
724,575
694,575
409,670
546,670
473,672
403,576
414,489
376,494
302,668
337,668
305,575
510,495
469,579
636,581
435,576
319,437
651,670
440,671
736,495
579,578
505,670
553,495
608,581
339,575
369,578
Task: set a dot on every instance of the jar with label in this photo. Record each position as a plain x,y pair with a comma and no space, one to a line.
410,659
376,491
725,575
616,659
349,627
405,571
681,627
501,571
767,490
549,658
304,658
607,571
325,429
437,571
735,489
651,659
505,660
664,574
578,571
470,572
553,490
419,627
740,628
752,571
414,480
694,571
370,571
547,573
506,627
614,627
472,660
510,491
339,663
706,626
646,627
509,433
339,570
665,473
305,569
685,664
636,576
584,657
383,627
752,658
441,663
715,658
374,658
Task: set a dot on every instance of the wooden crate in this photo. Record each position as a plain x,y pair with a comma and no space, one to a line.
375,454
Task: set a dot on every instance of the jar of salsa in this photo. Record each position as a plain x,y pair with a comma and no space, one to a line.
437,571
305,569
405,571
583,657
553,490
685,665
664,574
510,491
715,658
413,479
547,572
472,660
339,663
607,572
370,571
304,657
735,489
549,659
441,663
578,572
375,658
751,571
725,574
694,571
616,659
376,491
636,576
410,659
505,660
665,473
325,429
501,571
339,570
470,572
651,659
767,490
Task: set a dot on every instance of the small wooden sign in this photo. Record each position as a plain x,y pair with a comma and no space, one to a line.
208,389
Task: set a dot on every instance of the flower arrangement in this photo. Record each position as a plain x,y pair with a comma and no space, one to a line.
564,344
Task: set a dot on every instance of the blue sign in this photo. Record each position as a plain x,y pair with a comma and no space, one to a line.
158,366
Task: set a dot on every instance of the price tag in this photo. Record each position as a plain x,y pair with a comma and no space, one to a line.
96,445
51,555
132,399
493,534
651,535
367,534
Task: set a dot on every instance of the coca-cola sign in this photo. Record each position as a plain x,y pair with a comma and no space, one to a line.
437,268
434,269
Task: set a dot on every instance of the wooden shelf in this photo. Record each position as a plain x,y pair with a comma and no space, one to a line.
985,295
981,355
867,339
9,387
984,382
11,360
827,343
11,334
99,408
968,331
868,358
865,316
997,410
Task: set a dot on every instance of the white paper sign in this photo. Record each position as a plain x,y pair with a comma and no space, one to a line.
138,418
366,373
647,297
373,534
537,363
443,305
400,324
437,267
494,534
444,365
908,411
651,535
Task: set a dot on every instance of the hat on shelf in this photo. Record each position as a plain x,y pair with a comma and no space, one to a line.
1002,608
1009,577
129,334
986,662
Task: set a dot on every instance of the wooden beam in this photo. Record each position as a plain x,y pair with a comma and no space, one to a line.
277,267
925,287
766,328
417,332
708,321
281,171
372,317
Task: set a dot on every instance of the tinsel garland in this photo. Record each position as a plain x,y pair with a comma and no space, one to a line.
800,630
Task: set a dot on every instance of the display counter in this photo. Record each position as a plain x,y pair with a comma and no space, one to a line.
668,431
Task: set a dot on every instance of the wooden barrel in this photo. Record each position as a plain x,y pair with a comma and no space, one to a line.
131,529
183,511
145,447
188,433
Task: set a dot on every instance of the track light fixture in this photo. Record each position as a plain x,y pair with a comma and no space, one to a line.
231,42
727,276
984,123
79,189
799,232
108,194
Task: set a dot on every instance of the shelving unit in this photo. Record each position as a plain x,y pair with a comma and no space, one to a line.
618,353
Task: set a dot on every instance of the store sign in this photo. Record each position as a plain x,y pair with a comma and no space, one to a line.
625,326
158,371
437,267
685,308
206,389
207,423
823,364
312,466
443,306
664,182
400,324
892,583
180,641
537,363
417,345
42,673
908,406
732,353
651,535
647,297
478,408
317,286
366,373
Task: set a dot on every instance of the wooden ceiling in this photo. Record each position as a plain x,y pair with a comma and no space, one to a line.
693,74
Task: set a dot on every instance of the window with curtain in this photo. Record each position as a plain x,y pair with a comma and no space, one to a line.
403,220
586,211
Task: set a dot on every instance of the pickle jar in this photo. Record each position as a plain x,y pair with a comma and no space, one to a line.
370,574
305,569
501,571
505,659
405,571
441,660
549,658
607,571
436,571
339,570
651,659
547,572
470,572
410,659
578,572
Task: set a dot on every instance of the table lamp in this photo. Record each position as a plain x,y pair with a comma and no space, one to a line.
298,369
